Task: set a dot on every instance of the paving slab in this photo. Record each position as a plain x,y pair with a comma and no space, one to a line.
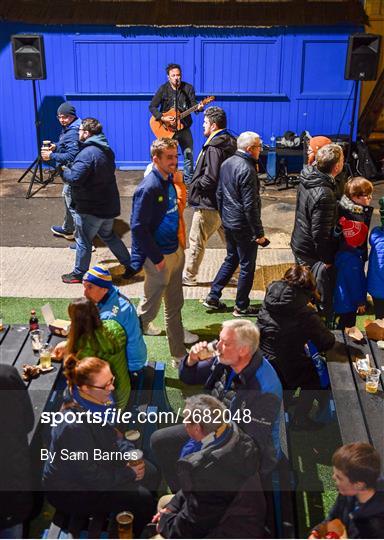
35,272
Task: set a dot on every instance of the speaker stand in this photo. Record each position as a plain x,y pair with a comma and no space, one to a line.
352,129
36,167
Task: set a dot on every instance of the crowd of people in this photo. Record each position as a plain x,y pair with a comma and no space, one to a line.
218,464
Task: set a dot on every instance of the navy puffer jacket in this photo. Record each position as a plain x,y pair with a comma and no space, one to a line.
238,196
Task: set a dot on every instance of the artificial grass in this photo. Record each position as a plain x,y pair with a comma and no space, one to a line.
310,453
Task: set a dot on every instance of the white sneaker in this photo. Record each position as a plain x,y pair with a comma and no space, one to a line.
187,282
151,330
190,338
176,361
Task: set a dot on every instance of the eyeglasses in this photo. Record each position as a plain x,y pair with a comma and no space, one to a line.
109,383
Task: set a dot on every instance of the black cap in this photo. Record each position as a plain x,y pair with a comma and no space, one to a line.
67,108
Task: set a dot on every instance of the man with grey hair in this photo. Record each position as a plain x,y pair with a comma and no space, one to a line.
239,376
312,240
239,205
220,493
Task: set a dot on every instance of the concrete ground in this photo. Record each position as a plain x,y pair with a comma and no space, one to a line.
32,259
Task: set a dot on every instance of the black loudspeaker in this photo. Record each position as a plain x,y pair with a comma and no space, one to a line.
28,57
362,57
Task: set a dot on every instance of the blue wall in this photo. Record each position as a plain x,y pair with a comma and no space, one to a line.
268,80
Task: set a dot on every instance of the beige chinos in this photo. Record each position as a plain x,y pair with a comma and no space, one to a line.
204,224
165,284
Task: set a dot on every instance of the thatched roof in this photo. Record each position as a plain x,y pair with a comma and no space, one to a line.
246,13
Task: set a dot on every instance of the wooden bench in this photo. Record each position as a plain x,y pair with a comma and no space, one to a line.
359,413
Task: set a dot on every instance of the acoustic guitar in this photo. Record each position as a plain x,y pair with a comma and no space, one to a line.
163,129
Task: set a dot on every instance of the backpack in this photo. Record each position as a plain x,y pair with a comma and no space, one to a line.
365,165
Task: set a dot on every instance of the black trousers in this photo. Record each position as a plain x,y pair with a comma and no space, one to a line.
184,138
378,304
166,445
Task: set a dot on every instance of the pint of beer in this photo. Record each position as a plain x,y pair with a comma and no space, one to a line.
125,524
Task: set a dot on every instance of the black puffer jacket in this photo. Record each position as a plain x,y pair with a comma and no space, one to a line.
286,323
221,494
312,237
238,196
202,189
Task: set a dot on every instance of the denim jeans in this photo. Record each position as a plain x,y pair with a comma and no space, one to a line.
87,227
69,218
240,249
184,138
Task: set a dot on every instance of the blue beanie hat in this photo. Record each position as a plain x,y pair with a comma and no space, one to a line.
100,276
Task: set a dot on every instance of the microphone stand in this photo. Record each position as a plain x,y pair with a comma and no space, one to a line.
177,109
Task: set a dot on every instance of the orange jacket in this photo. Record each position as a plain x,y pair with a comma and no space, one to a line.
181,192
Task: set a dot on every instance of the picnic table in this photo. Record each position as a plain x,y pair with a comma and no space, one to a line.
359,413
16,350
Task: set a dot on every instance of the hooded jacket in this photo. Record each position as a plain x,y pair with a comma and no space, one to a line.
362,521
221,494
203,186
286,323
351,285
315,218
376,263
116,306
93,181
238,196
355,213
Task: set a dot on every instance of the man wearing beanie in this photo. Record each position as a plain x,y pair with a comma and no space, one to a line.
63,153
96,199
112,304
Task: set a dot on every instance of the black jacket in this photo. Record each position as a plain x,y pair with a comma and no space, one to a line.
88,473
286,323
203,186
238,197
165,98
221,494
367,521
93,181
312,237
16,420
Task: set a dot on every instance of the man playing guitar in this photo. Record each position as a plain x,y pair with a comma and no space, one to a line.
179,95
